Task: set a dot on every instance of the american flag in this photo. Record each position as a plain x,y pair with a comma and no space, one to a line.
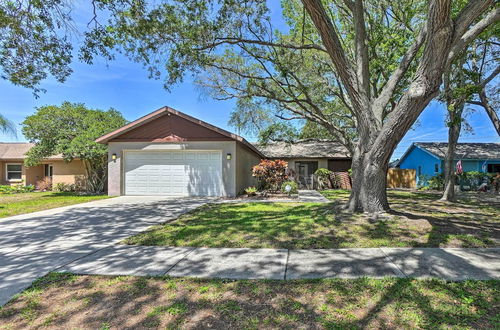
460,170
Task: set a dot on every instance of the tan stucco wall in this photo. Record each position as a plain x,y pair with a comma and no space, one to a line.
33,174
245,160
115,167
69,173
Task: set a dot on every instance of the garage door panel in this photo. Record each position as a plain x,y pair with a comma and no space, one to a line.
175,173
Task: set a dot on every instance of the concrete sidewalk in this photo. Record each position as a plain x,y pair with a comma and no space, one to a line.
280,264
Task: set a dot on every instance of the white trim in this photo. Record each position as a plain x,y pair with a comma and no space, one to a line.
7,172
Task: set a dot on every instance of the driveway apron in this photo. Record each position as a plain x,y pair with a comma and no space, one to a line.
31,245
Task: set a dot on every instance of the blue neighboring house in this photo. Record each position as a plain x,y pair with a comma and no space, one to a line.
427,158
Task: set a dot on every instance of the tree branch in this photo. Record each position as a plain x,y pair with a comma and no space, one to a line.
387,92
460,41
468,15
362,61
234,41
489,110
334,48
493,74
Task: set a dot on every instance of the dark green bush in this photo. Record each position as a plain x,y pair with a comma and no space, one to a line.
292,184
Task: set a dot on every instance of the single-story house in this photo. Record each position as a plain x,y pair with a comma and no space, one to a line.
306,156
168,152
427,158
13,171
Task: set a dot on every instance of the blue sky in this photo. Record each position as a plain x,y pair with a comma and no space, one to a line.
124,85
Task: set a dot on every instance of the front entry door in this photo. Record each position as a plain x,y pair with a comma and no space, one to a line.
48,169
305,171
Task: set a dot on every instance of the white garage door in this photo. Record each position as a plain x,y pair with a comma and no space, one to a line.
173,173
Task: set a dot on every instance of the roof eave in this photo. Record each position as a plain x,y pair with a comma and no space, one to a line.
155,114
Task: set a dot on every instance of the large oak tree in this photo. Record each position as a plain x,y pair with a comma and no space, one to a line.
327,61
366,65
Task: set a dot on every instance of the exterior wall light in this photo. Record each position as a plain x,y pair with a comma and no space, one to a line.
113,157
228,156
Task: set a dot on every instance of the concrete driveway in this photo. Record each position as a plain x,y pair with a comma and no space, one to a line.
31,245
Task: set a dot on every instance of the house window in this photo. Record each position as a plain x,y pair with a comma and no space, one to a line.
419,170
493,168
436,168
13,172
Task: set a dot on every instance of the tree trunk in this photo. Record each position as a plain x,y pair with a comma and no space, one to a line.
369,176
455,124
490,111
369,187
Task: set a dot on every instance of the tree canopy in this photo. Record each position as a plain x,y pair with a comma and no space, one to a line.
362,69
70,130
34,41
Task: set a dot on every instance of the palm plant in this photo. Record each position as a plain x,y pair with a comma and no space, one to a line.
7,126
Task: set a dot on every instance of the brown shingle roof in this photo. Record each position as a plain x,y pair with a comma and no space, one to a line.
463,150
17,150
304,149
14,150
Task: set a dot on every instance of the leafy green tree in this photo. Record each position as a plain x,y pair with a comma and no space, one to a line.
466,84
366,65
70,130
34,41
312,130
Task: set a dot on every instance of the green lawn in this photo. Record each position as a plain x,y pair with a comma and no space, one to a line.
66,301
417,220
37,201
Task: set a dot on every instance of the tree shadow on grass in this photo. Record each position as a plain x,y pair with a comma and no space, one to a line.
131,303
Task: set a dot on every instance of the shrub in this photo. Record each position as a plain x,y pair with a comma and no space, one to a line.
251,191
16,189
423,181
45,184
271,173
292,184
65,187
436,182
26,189
323,176
474,179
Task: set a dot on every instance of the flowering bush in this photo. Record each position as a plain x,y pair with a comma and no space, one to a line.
271,173
44,184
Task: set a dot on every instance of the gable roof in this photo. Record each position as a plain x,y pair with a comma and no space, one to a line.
476,151
165,111
463,150
18,150
304,149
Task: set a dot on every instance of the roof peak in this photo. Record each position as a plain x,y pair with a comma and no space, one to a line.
165,110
